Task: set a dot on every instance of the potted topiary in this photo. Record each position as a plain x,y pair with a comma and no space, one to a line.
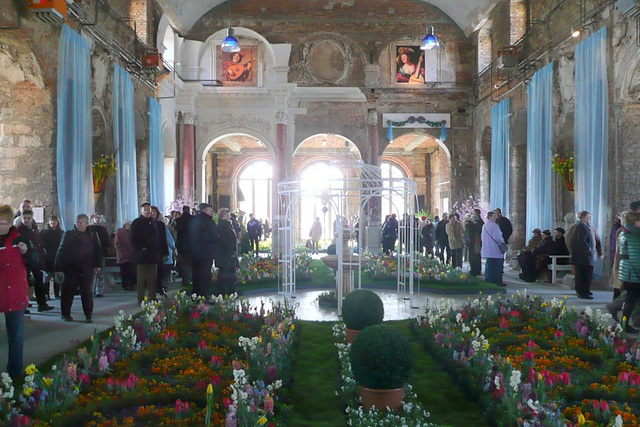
382,364
361,308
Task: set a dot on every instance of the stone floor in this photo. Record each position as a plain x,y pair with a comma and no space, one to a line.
46,335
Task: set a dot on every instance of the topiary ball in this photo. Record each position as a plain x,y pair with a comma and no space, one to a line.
381,358
362,308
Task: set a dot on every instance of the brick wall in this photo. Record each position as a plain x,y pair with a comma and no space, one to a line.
140,11
26,122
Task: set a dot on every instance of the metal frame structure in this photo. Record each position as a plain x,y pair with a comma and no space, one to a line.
348,197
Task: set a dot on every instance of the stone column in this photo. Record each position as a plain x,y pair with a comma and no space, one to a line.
189,155
177,172
374,231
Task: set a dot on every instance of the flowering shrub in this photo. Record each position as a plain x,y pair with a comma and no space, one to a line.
535,363
466,207
411,414
180,202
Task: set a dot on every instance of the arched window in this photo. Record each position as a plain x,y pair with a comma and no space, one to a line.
392,201
254,189
168,42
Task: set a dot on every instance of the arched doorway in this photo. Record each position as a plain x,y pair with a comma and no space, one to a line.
322,146
391,201
426,160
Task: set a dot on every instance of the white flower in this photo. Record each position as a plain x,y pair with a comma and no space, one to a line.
514,381
618,421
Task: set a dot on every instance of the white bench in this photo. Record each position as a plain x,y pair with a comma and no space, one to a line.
555,267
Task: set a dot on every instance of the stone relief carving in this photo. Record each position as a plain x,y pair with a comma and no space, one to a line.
372,117
189,117
326,59
281,116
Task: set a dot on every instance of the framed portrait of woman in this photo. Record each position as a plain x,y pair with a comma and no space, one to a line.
409,65
239,68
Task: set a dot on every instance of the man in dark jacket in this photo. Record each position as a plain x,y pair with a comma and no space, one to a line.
584,246
473,232
442,239
79,257
149,246
389,234
226,259
254,230
51,237
25,228
204,239
183,245
505,225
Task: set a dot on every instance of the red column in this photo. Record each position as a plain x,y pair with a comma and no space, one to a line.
178,164
189,160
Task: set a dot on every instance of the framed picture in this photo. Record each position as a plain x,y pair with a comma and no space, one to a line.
38,214
237,69
409,65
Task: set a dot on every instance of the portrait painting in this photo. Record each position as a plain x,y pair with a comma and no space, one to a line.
409,65
239,68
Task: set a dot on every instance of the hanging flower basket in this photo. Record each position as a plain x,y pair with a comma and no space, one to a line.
563,165
103,168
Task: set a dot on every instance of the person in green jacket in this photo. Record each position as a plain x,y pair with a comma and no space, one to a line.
629,269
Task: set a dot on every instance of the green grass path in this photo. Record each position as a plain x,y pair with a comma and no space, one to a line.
437,391
316,379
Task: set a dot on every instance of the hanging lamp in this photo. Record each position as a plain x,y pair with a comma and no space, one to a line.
230,43
430,40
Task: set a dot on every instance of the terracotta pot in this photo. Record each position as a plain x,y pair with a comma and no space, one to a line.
382,399
351,335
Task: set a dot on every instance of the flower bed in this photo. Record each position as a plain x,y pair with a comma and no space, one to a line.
382,267
263,269
176,365
411,414
535,363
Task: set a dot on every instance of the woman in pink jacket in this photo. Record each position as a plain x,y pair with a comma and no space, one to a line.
13,286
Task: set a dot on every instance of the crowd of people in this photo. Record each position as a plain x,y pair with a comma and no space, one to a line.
147,251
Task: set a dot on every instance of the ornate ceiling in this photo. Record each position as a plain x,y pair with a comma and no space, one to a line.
466,13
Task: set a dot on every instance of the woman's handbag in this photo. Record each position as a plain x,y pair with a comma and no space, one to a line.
502,247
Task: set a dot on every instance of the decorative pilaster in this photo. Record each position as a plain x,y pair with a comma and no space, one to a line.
374,231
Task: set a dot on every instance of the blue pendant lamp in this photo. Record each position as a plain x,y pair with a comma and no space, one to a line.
230,43
430,41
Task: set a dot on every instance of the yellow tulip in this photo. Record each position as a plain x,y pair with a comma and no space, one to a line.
31,369
293,327
48,382
581,419
262,420
210,389
539,376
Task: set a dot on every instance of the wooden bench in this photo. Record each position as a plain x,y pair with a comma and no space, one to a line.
555,267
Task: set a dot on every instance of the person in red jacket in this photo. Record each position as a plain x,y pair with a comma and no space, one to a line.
13,286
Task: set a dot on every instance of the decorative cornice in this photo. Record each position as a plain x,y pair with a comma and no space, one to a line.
226,121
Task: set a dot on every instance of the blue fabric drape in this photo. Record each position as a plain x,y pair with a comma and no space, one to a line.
499,192
74,143
539,135
592,129
124,135
390,133
156,155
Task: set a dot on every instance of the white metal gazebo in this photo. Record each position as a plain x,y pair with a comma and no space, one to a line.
351,198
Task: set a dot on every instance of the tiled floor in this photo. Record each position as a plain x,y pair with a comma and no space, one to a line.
46,335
